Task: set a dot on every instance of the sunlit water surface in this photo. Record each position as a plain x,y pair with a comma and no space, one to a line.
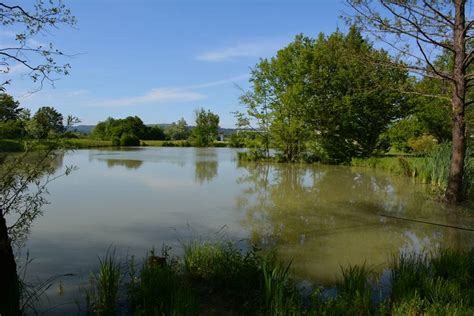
320,217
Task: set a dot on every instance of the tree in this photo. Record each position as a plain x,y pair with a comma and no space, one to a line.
350,105
319,97
9,108
114,129
41,61
47,120
207,125
257,118
417,31
178,131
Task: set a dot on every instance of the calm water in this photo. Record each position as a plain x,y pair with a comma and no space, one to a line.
321,217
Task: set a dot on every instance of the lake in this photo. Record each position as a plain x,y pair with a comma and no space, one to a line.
320,217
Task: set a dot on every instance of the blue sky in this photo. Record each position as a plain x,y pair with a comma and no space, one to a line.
160,60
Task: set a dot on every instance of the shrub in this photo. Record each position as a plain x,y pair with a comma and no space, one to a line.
423,144
12,129
129,140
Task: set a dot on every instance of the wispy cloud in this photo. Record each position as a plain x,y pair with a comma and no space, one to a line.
260,48
169,94
158,95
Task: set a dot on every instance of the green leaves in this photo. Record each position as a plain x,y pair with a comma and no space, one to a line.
207,125
334,89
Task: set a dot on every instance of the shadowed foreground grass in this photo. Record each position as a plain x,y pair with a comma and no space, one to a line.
219,279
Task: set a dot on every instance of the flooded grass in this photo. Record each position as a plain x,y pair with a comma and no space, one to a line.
218,278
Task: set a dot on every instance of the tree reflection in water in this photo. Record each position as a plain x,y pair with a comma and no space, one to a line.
323,217
206,165
23,185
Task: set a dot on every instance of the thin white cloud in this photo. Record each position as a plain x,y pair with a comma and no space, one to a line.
158,95
261,48
219,82
169,94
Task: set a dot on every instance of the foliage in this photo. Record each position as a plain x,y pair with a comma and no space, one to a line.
404,129
46,121
103,294
423,144
353,296
154,133
9,108
324,89
207,125
114,129
159,288
129,140
12,129
178,130
41,60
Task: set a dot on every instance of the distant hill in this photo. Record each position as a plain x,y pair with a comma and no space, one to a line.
87,129
84,129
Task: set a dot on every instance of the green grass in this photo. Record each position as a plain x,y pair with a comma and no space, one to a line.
216,278
80,143
160,288
166,143
20,145
432,169
178,143
103,295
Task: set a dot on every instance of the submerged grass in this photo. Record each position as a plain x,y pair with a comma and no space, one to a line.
217,278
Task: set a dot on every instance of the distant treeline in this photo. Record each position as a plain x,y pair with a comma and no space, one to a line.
130,130
17,122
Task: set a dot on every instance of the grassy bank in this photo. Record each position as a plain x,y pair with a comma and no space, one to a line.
432,169
19,145
219,279
178,143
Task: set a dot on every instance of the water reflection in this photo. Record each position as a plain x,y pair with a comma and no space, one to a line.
127,163
206,165
323,217
23,189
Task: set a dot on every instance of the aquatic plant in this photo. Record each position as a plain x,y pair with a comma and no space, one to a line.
160,288
102,297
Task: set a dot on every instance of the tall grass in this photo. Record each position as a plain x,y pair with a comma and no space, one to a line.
103,295
279,296
436,284
160,288
216,278
432,169
353,294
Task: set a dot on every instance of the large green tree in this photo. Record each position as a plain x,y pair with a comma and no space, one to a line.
353,101
114,129
207,126
417,31
9,108
47,121
323,92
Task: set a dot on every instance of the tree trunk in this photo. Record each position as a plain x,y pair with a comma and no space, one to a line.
454,190
9,285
